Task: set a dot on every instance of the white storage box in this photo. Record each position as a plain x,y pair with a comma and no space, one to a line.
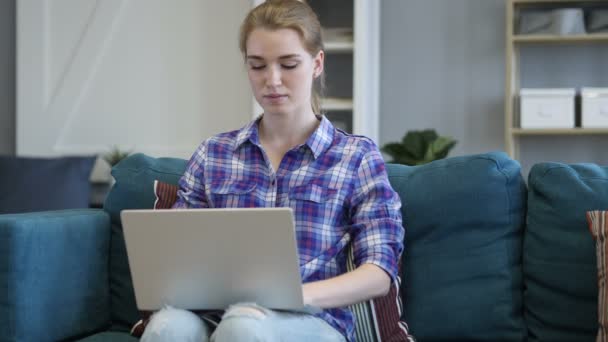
547,108
594,105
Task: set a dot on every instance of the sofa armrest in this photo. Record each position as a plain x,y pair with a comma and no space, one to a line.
54,274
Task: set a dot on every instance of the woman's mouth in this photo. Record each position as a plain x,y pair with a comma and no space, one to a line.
275,98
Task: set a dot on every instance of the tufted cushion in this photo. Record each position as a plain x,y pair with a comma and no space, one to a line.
560,273
462,265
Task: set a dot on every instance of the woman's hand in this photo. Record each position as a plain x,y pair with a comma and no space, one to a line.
366,282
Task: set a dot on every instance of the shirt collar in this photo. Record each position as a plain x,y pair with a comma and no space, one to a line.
248,133
321,138
318,141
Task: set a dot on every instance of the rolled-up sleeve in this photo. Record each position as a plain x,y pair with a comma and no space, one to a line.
191,192
376,217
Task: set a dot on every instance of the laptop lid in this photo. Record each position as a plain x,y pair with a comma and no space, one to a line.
202,259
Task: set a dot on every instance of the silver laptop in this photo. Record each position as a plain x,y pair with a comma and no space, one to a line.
201,259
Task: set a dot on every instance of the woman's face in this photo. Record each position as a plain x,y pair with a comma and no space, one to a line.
281,71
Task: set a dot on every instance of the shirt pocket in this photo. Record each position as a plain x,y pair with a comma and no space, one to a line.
232,194
312,193
318,217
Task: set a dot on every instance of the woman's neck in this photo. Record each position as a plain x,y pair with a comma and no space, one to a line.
287,131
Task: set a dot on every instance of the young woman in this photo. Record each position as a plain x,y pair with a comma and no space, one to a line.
292,156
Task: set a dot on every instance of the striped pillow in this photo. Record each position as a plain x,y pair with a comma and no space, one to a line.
376,320
165,195
379,319
598,225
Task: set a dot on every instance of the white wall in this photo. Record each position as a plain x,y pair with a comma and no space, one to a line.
7,77
152,76
443,68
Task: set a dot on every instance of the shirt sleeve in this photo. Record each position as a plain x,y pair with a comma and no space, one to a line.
191,192
377,227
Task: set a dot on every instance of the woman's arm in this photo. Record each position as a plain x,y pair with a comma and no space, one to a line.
191,192
366,282
377,241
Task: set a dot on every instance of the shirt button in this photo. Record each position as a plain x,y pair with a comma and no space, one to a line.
273,182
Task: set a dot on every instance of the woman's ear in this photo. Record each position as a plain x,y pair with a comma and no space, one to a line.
318,63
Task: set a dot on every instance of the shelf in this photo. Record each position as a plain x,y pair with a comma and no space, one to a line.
546,38
332,103
339,47
338,40
559,131
557,2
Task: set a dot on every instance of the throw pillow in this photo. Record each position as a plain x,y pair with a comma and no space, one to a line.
376,320
165,195
560,271
598,225
379,319
44,184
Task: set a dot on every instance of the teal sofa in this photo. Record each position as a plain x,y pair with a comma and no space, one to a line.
488,256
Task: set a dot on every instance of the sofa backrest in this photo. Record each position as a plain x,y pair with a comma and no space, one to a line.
464,221
560,272
133,189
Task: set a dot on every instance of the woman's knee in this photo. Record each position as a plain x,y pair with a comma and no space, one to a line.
170,324
243,323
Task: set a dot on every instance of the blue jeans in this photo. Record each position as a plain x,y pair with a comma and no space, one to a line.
241,322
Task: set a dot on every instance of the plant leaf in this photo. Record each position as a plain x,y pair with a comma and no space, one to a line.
415,144
442,146
394,150
428,136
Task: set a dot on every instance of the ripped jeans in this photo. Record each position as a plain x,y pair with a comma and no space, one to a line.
241,322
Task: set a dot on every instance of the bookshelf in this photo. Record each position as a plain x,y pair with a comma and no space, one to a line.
514,45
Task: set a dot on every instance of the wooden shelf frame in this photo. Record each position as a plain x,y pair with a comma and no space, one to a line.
556,2
560,131
545,38
337,104
512,73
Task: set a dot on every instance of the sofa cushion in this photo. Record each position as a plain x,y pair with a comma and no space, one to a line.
598,225
560,273
464,219
132,190
41,184
53,274
109,336
134,176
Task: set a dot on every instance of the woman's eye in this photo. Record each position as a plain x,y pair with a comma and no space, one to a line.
257,67
289,66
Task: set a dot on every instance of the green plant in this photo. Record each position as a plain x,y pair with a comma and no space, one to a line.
419,147
115,155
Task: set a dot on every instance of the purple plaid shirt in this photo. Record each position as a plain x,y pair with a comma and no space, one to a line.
335,183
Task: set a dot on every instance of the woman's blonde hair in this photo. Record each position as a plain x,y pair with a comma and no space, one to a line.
290,14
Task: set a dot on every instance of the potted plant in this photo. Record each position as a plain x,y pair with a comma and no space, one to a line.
115,155
419,147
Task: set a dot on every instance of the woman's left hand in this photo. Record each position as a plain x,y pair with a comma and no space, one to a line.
366,282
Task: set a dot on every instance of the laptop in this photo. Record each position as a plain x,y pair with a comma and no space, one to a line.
207,259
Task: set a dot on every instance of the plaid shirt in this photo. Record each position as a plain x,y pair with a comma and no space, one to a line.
335,183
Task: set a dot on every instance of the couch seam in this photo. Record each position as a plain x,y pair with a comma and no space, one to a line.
139,170
60,218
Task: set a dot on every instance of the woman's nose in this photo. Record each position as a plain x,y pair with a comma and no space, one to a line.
273,76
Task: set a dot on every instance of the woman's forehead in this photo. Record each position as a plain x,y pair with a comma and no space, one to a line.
274,43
